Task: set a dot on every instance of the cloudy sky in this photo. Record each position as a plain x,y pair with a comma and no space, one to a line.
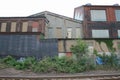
63,7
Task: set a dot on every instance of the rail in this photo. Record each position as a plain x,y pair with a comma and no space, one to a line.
65,77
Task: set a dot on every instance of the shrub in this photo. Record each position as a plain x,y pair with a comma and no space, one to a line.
44,65
9,60
61,65
109,61
79,49
27,63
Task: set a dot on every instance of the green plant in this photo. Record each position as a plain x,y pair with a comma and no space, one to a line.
9,60
79,49
109,61
62,65
2,64
27,63
44,65
109,43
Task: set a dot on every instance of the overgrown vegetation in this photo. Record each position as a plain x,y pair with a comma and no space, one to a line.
12,62
80,49
47,64
109,43
110,61
82,62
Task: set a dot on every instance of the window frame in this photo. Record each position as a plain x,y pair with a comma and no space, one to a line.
106,36
118,31
3,27
116,16
69,29
105,14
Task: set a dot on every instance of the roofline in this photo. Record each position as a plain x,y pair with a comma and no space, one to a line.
22,17
30,17
103,5
98,6
57,15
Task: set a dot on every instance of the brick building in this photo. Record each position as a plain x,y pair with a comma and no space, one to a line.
99,21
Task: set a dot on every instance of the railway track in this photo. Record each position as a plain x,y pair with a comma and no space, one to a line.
65,77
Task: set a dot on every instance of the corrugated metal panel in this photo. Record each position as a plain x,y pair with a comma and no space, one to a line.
27,45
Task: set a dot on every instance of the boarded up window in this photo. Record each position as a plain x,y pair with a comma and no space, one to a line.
50,32
100,33
34,29
3,27
98,15
24,26
78,33
35,26
69,32
58,32
13,27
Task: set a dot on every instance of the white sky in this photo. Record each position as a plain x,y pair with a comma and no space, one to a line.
28,7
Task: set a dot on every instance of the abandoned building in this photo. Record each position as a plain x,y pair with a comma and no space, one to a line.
48,34
60,26
99,21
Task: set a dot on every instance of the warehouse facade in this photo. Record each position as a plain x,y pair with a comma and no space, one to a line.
99,21
60,26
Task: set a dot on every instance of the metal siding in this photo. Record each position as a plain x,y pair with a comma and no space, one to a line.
27,45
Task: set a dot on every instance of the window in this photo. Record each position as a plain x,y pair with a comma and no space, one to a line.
78,33
118,33
98,15
69,32
3,27
58,32
35,26
78,14
100,33
13,27
24,26
117,14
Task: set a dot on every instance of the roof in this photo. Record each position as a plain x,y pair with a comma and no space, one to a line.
28,17
54,14
23,17
90,5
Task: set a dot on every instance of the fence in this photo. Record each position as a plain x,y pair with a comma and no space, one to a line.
27,45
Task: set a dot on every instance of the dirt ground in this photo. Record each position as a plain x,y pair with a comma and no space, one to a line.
14,72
